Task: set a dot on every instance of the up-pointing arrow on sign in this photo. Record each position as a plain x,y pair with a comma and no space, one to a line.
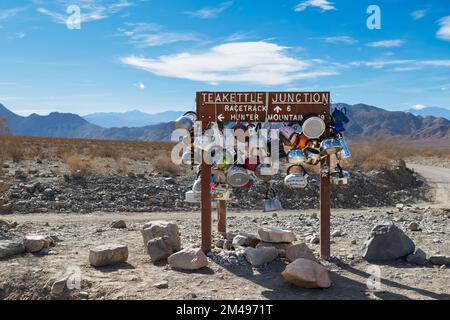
220,118
278,109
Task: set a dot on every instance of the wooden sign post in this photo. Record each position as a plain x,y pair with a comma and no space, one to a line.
262,107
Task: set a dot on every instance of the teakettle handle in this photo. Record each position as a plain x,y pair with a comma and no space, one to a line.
297,165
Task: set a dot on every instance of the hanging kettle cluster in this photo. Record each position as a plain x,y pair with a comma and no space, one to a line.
300,143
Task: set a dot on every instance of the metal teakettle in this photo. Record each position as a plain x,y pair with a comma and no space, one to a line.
186,121
296,180
340,177
330,146
296,156
192,197
271,201
237,177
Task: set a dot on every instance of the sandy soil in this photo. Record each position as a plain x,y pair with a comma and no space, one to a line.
30,276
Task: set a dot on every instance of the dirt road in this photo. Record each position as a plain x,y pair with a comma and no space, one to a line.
438,178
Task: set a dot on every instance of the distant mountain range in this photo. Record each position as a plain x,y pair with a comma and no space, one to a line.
366,121
431,111
131,119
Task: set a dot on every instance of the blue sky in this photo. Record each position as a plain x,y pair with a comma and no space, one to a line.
153,55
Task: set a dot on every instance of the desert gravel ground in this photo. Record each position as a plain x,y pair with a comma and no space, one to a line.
30,276
228,276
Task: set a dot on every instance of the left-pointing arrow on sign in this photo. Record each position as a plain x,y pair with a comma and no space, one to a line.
220,118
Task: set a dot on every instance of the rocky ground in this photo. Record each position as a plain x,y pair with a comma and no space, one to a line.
45,187
228,275
40,251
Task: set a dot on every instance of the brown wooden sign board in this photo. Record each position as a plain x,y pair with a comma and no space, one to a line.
262,107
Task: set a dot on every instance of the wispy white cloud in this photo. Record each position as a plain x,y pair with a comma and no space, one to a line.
144,35
9,13
387,43
418,14
91,10
140,85
402,65
339,40
444,30
210,12
325,5
263,63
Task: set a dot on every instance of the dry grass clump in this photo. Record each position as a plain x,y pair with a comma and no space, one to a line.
372,154
11,149
163,163
77,164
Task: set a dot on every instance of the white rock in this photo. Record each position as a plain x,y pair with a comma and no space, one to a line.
159,248
300,250
156,229
259,256
270,234
188,259
307,274
108,254
10,248
35,243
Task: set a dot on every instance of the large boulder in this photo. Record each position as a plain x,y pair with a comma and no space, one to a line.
108,254
259,256
188,259
386,242
159,248
10,248
300,250
307,274
35,243
276,235
156,229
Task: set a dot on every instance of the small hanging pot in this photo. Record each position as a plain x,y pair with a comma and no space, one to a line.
192,197
186,121
313,127
340,177
296,180
237,177
271,201
330,146
345,152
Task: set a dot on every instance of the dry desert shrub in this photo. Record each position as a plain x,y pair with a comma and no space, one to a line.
163,163
11,149
77,164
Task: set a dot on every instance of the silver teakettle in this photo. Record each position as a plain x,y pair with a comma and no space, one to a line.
186,121
296,180
237,177
340,177
330,146
271,202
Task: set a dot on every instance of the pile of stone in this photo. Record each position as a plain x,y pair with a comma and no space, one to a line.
36,244
162,241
